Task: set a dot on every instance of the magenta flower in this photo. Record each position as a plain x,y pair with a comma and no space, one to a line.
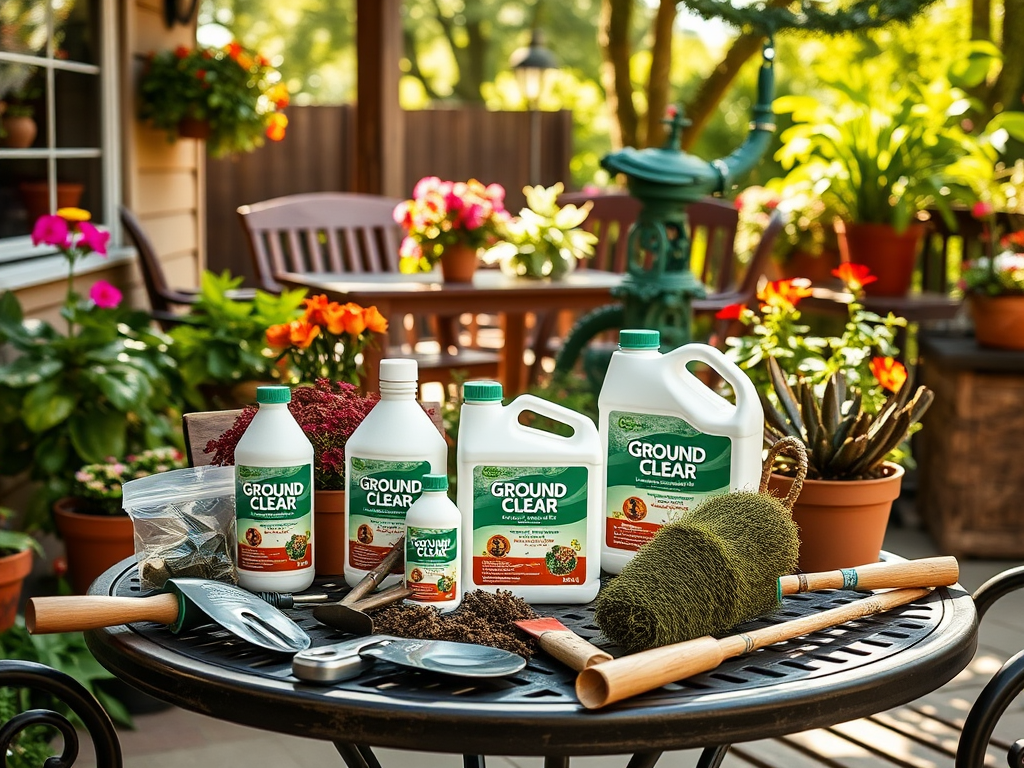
51,230
981,209
93,239
104,295
474,216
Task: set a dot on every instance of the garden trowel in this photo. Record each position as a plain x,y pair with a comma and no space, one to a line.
185,603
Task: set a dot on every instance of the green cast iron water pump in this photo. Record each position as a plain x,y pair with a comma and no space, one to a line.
659,286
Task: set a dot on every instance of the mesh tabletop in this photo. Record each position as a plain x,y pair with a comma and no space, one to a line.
819,679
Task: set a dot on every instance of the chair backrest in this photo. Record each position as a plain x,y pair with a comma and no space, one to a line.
162,298
321,232
713,226
610,219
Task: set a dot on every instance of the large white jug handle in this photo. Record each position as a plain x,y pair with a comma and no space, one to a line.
722,365
579,423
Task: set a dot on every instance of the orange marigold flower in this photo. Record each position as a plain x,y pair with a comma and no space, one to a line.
731,312
353,319
334,318
276,127
374,320
891,374
317,309
854,276
784,293
279,336
303,333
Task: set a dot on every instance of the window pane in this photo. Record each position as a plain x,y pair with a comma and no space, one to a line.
23,27
78,111
80,184
76,31
15,192
21,90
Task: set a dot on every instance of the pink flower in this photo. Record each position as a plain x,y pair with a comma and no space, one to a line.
982,209
425,185
104,295
409,249
93,239
474,216
51,230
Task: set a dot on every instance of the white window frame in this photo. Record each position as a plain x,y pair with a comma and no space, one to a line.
21,263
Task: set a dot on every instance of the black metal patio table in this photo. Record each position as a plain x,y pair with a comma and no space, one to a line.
828,677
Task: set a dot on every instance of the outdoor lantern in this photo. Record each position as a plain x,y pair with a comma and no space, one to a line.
531,65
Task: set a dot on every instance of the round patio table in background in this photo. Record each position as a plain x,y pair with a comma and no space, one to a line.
828,677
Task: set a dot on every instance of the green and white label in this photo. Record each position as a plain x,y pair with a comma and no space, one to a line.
529,525
273,509
431,563
659,468
380,492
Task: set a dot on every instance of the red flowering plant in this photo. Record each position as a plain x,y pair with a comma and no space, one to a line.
865,352
328,415
104,387
442,214
1001,271
327,342
233,93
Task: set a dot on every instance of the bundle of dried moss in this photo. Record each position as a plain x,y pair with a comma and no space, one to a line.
483,618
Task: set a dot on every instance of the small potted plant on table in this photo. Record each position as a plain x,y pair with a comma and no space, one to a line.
994,286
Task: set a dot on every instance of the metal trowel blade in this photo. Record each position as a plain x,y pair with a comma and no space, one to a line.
460,659
238,611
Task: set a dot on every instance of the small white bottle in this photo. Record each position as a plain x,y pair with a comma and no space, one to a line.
433,546
385,461
274,498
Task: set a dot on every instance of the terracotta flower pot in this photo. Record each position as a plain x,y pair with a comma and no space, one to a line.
891,257
13,570
458,263
192,128
842,522
329,532
21,131
816,268
36,197
93,543
998,321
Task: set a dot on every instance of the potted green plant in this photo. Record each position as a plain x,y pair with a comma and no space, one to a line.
103,386
844,506
16,549
220,345
230,96
448,223
994,286
545,239
880,155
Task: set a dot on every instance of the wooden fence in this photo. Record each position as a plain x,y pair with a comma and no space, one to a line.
316,156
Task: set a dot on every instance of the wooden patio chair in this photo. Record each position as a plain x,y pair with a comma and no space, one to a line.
163,299
713,224
354,233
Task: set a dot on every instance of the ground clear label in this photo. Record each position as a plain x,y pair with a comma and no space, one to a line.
431,564
659,468
273,508
380,493
529,525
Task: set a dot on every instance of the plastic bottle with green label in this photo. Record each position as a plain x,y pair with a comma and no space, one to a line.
669,440
385,461
274,498
433,544
531,500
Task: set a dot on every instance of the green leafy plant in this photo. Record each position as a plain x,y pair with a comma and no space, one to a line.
102,388
222,340
843,441
809,219
881,154
545,240
12,542
234,91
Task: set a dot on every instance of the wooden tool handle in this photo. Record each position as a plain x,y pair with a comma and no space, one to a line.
628,676
76,613
382,598
926,572
572,650
376,576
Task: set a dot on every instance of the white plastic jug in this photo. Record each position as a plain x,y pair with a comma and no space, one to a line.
669,440
531,500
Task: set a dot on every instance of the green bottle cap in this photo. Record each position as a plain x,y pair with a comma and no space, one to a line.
275,394
639,338
435,482
481,391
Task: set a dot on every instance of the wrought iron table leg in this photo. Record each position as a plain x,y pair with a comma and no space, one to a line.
644,760
357,755
556,761
712,757
472,761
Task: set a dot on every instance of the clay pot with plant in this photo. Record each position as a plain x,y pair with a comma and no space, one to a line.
851,484
16,550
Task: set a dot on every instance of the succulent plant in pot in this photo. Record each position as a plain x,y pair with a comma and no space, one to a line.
844,506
